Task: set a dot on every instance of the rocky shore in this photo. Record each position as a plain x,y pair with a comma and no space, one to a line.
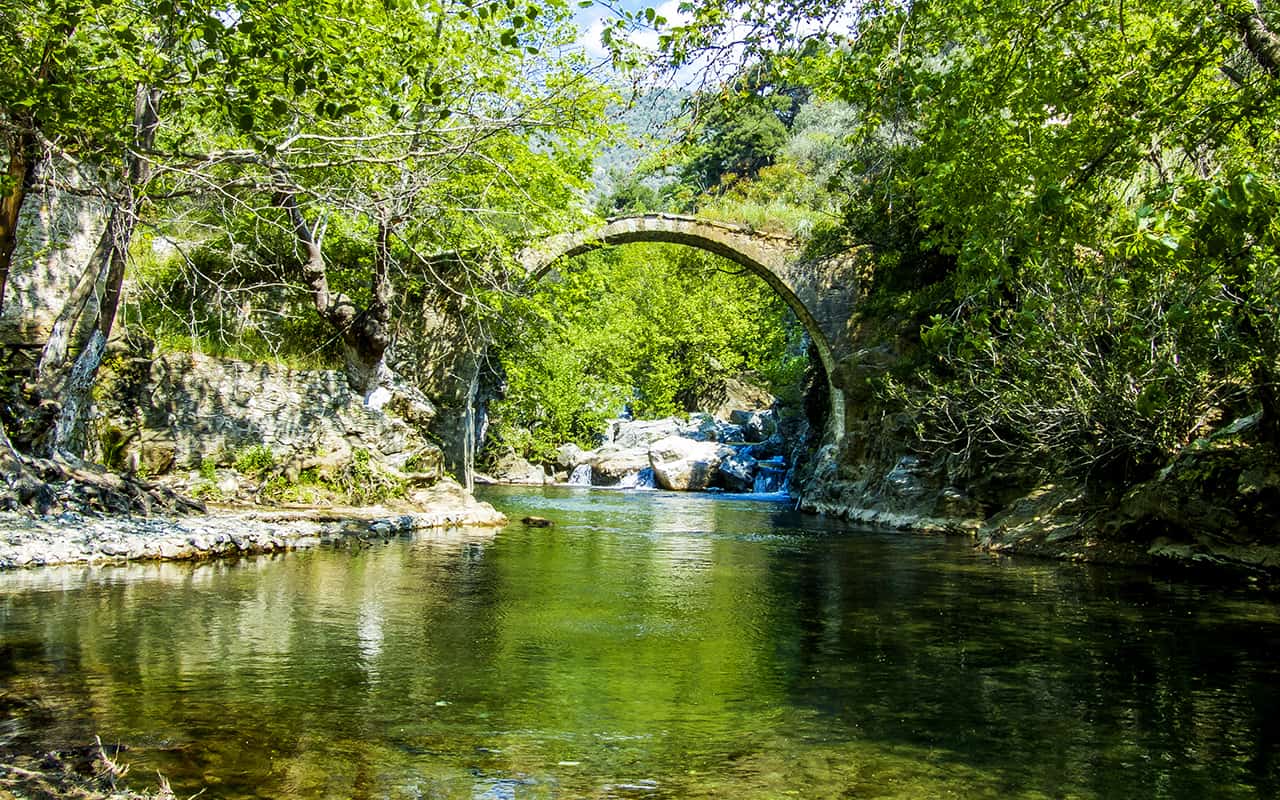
1214,507
742,450
72,538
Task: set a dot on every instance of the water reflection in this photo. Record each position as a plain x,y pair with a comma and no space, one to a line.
656,646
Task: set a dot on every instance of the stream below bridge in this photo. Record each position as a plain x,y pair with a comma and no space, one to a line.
650,645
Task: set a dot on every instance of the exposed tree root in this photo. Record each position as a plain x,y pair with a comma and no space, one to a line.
66,483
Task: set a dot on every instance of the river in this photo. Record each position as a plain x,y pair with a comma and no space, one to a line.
650,645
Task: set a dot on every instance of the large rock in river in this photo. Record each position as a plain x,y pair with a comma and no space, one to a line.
706,428
610,464
642,432
511,468
684,465
699,425
569,456
757,426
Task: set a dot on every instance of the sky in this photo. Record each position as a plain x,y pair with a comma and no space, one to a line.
835,18
591,21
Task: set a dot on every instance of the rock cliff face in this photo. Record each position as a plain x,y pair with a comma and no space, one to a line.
1216,505
179,410
876,473
440,349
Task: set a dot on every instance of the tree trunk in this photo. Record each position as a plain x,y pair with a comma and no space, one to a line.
365,333
72,393
1261,42
19,175
53,356
69,425
365,342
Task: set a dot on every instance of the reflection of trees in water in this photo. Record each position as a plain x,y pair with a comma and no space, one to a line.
229,667
1059,678
747,664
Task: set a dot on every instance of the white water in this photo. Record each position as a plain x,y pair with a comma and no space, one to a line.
638,480
581,475
771,477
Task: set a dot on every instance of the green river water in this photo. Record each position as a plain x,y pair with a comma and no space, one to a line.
650,645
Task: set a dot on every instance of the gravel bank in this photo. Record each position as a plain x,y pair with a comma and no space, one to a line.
70,538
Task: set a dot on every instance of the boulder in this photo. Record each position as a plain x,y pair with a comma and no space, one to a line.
569,456
610,464
411,405
511,468
581,475
686,465
756,425
704,427
701,427
641,433
738,472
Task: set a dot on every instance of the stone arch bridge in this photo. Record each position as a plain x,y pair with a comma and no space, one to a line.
821,290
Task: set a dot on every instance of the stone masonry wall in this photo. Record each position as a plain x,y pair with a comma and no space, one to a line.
180,409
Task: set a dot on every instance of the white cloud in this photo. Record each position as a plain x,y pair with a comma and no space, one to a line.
589,41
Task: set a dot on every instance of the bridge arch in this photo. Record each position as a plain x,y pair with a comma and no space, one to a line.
778,260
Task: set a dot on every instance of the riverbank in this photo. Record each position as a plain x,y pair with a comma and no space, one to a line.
1052,523
226,531
1212,508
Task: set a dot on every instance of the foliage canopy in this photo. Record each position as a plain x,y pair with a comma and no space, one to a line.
1076,203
